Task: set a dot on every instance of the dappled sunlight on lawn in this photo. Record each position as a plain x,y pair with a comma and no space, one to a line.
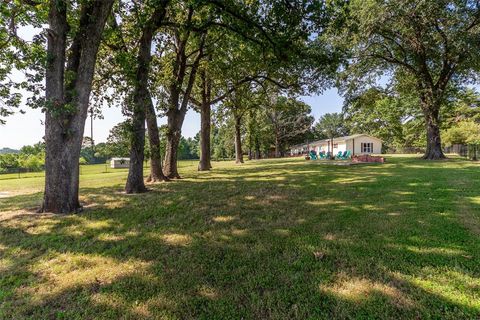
208,292
354,180
431,250
240,232
133,296
280,239
327,202
70,271
455,286
360,291
176,239
30,222
224,218
475,200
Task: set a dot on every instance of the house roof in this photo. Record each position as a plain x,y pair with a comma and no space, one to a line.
345,138
337,139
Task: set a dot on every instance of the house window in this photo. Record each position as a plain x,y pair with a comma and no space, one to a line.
366,147
335,145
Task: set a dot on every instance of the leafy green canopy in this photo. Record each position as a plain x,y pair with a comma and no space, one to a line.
431,42
331,125
20,57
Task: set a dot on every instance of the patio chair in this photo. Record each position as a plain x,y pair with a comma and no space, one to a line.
322,155
339,155
313,155
342,155
345,155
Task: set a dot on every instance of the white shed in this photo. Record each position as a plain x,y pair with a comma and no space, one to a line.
117,163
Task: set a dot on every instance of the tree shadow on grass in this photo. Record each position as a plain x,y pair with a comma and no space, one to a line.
372,243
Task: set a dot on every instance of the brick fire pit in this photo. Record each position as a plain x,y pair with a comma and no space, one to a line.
367,158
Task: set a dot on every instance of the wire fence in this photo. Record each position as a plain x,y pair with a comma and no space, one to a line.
471,151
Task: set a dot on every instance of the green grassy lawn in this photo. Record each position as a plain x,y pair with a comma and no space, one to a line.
276,239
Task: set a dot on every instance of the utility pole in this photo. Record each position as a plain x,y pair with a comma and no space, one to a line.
91,128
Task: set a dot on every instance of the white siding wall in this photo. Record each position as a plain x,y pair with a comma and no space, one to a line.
349,145
342,146
115,164
377,144
323,147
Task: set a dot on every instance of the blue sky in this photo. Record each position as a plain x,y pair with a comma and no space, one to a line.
25,129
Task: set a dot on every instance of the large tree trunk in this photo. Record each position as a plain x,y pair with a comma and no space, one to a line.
434,146
431,111
205,152
238,141
174,134
156,173
205,122
61,170
135,183
64,126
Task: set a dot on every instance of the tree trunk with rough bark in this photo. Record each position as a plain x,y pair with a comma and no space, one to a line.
156,172
434,146
238,141
205,128
67,99
135,183
174,134
205,122
431,112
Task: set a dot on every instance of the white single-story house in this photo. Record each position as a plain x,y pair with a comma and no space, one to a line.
116,163
356,144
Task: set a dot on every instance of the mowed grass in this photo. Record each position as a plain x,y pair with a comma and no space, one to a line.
276,239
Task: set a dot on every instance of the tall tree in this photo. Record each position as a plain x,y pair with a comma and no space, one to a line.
381,113
127,51
71,57
185,44
143,108
258,132
205,121
332,125
290,119
231,62
430,45
238,103
263,39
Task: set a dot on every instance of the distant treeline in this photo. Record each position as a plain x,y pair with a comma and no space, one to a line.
28,158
